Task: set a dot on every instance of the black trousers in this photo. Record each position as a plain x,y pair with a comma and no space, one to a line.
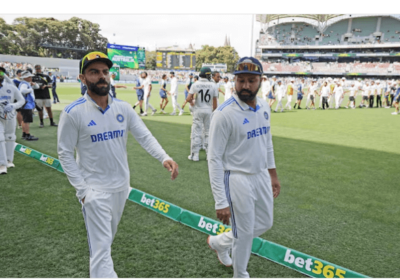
325,102
378,101
371,101
391,100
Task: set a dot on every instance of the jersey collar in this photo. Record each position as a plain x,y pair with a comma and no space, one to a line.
110,101
246,107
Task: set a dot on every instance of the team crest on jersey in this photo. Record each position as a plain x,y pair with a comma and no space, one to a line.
8,91
266,115
120,118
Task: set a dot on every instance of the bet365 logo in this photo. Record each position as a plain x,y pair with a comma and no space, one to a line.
315,266
212,227
155,203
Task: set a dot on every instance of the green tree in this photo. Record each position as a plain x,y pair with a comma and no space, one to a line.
50,37
210,54
151,60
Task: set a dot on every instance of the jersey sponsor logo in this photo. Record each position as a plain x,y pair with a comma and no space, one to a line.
257,132
120,118
108,135
8,91
246,121
266,115
92,123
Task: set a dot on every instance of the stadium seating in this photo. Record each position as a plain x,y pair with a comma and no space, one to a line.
389,26
333,34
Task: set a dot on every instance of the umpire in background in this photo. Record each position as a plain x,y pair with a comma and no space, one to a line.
42,94
53,88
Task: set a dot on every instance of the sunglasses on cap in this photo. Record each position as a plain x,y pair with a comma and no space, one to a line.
92,56
248,65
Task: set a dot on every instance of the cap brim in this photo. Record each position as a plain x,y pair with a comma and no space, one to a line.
105,60
247,72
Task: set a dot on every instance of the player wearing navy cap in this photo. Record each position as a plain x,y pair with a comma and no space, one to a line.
96,127
242,168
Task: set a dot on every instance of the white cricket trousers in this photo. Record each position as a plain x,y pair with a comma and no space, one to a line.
7,140
279,98
289,101
147,104
102,212
338,100
200,129
175,104
251,202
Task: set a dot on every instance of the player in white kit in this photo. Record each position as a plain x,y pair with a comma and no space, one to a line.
280,91
147,91
312,92
228,88
96,126
203,99
265,87
365,94
324,93
8,93
352,96
242,168
174,94
339,94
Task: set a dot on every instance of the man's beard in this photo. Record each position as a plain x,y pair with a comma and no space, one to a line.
247,98
101,91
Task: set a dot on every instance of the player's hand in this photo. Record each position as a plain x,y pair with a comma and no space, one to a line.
224,215
276,187
43,87
172,167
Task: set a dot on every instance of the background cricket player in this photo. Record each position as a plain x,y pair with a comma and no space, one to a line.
188,84
279,94
324,93
174,95
8,93
289,90
228,88
242,169
339,93
96,126
147,91
265,87
204,94
272,95
300,93
352,96
163,93
140,93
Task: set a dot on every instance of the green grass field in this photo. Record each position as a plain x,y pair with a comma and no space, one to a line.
339,201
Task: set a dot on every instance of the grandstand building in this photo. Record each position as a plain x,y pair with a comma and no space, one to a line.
362,45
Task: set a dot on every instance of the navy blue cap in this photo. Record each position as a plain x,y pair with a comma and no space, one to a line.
19,71
191,74
251,60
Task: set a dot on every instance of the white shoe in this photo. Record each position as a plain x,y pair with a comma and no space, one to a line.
3,169
346,107
155,110
173,114
194,157
162,112
395,113
191,113
144,115
10,165
19,127
181,113
222,253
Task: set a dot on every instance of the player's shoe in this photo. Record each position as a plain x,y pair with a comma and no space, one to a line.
162,112
19,127
41,125
53,124
222,253
181,113
144,114
395,113
173,114
3,169
31,138
154,111
194,157
10,164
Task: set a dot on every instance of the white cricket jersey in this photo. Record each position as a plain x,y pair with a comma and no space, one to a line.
228,90
352,91
366,90
379,89
204,91
338,91
146,88
325,91
174,86
99,138
373,89
312,90
239,140
216,87
265,88
9,93
280,90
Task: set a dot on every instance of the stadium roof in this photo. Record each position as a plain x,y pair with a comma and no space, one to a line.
316,17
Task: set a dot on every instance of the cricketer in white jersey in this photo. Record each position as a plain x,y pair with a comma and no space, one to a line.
205,96
228,88
8,93
174,94
242,167
96,126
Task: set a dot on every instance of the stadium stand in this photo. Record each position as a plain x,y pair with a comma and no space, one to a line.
333,34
